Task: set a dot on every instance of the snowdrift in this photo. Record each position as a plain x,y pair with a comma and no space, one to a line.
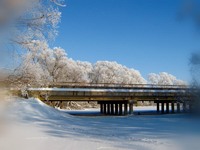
34,108
36,126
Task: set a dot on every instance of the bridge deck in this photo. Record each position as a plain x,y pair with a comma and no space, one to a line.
100,94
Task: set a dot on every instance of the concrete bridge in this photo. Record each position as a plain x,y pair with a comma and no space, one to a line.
118,99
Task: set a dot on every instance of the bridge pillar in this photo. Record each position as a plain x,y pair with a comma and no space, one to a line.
130,108
116,109
125,109
108,108
172,104
158,107
120,109
112,109
104,108
163,107
167,107
178,108
101,108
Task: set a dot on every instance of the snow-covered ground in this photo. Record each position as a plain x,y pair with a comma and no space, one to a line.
32,125
96,111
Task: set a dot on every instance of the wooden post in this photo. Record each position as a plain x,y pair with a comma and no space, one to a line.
172,107
112,109
163,107
120,109
125,109
167,107
178,108
158,107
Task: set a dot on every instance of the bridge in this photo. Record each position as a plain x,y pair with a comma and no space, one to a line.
118,99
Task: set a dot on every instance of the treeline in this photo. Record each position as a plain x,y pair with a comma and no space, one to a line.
42,66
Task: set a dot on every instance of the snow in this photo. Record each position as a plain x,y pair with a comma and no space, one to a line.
32,125
96,111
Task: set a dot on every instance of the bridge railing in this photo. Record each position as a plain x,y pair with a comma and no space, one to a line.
115,85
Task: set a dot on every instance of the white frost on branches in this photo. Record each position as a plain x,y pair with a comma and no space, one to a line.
26,20
164,78
42,65
112,72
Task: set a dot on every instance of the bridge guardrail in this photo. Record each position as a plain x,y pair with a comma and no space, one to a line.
115,85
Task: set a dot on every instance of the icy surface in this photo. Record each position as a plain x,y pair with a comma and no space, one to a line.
32,125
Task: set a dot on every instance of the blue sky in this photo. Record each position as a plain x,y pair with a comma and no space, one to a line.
141,34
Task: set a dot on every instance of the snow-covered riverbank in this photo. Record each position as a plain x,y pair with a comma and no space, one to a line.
33,125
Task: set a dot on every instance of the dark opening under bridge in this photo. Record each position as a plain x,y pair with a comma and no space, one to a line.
118,99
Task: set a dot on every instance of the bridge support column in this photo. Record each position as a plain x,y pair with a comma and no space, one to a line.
167,107
178,108
108,108
120,109
125,109
104,108
163,107
101,108
130,108
116,109
158,107
172,105
112,109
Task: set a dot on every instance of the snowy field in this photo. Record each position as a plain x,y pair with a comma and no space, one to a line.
32,125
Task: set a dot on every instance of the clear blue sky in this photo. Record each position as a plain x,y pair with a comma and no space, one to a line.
141,34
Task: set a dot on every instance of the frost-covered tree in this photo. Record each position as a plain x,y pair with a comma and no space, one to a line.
38,22
112,72
72,72
53,61
30,69
25,20
85,70
42,64
22,22
164,78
